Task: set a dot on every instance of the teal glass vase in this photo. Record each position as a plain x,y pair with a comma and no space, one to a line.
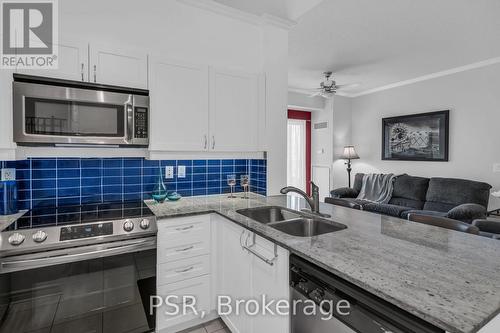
160,190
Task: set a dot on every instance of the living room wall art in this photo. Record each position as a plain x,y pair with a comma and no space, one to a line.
416,137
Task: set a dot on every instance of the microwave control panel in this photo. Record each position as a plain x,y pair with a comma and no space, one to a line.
141,123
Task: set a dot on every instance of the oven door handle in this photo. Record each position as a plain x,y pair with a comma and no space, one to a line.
69,256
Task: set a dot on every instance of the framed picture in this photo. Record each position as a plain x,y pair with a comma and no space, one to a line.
416,137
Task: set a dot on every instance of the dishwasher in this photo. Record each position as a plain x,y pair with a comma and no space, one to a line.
325,303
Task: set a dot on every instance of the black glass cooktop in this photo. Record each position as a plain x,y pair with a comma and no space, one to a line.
66,215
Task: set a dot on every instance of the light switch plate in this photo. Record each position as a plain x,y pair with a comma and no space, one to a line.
169,172
8,174
496,167
181,171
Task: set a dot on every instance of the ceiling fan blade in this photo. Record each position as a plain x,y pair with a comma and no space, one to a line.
316,94
349,85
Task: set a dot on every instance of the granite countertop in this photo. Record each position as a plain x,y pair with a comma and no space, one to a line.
6,220
447,278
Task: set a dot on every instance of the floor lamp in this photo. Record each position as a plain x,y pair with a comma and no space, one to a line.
348,155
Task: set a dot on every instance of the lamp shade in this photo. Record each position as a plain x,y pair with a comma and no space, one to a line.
349,153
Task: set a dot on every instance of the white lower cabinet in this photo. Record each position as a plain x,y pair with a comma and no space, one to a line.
243,275
209,257
183,271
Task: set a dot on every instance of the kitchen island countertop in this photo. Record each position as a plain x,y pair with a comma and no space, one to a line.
447,278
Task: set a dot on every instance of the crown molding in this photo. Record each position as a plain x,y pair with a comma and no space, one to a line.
218,8
479,64
303,108
277,21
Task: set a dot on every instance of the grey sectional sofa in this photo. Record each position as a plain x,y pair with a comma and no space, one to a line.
458,199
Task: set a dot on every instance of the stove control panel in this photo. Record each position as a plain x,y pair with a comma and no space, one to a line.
85,231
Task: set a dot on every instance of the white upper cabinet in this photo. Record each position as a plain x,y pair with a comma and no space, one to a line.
118,66
234,110
179,106
72,62
200,108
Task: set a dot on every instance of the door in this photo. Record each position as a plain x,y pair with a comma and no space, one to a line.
234,110
72,62
118,66
269,280
233,271
179,106
109,294
299,150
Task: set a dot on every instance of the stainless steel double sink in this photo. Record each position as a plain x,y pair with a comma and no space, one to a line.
291,222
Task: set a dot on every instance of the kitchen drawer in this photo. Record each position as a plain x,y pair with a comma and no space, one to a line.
198,287
183,269
177,230
187,248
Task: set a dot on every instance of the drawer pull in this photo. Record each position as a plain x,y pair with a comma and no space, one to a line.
185,228
185,249
185,270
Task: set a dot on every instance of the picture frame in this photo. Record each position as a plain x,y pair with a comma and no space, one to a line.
416,137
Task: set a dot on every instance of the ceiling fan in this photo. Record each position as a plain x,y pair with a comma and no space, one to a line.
329,87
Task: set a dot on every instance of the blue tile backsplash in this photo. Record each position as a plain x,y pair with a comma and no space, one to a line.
75,181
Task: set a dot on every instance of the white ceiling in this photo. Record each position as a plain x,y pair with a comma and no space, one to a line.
288,9
382,42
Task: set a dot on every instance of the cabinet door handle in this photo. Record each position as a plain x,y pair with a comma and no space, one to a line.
213,142
83,65
185,249
95,73
206,142
184,270
185,228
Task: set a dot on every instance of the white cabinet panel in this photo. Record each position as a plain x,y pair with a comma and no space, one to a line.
242,275
72,63
233,271
7,146
271,281
117,66
179,106
183,269
234,110
198,287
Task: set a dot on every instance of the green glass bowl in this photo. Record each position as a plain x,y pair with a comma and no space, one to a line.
174,196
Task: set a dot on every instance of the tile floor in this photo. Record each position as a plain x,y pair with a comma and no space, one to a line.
214,326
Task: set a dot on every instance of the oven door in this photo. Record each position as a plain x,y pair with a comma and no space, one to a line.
102,288
64,115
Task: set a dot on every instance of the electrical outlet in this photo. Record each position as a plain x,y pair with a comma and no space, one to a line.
169,172
8,174
181,171
496,167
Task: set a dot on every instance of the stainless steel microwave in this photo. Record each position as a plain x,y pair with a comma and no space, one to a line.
62,112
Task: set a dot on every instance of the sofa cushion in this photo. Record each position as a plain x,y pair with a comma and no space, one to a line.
467,212
409,191
405,214
344,192
386,209
445,193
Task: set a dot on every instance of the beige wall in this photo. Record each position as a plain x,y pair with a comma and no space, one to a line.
473,99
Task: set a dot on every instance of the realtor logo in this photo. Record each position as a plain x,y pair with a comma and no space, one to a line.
29,34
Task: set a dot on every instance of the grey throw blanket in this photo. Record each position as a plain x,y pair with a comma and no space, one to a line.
377,187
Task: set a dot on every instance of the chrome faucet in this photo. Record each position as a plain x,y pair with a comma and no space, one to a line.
313,201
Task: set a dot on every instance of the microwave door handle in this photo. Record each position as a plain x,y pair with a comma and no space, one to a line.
129,109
